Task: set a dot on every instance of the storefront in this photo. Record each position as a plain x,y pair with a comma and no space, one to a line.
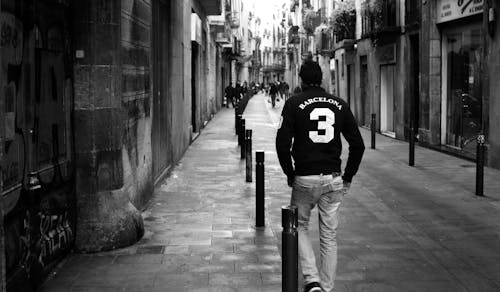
460,24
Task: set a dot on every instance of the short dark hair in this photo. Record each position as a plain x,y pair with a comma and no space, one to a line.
310,72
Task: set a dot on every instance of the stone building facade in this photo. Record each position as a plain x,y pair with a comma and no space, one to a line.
99,100
426,66
458,94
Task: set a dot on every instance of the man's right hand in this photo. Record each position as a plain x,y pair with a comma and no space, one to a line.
290,180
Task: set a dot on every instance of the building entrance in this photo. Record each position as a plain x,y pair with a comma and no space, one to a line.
387,100
462,96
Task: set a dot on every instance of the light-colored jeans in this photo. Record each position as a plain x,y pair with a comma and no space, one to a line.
325,191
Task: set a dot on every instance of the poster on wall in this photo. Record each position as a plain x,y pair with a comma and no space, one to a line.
455,9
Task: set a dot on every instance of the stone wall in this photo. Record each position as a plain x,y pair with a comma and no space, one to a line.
492,90
430,68
136,17
104,141
181,86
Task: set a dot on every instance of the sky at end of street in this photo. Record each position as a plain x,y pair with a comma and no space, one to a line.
264,8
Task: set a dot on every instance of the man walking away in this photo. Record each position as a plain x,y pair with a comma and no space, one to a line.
273,90
314,120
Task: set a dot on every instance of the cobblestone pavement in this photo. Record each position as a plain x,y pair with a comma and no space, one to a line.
402,228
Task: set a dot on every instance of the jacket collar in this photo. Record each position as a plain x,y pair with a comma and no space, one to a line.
313,89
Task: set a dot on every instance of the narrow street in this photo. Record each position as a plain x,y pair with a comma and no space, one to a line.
402,228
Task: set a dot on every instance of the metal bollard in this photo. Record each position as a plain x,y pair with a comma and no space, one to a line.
290,249
236,119
241,138
243,141
240,117
259,189
411,158
248,155
481,149
374,129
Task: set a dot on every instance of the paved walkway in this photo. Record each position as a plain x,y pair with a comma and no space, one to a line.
402,228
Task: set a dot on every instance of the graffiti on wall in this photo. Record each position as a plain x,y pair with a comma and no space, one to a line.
11,41
35,78
55,235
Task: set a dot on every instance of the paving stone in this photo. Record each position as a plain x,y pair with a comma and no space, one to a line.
235,279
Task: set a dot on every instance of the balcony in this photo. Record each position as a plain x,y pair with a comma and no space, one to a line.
236,46
379,17
343,21
212,7
324,39
293,35
234,19
304,47
311,20
293,5
222,38
276,67
256,58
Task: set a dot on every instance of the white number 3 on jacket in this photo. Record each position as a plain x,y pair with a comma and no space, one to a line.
326,125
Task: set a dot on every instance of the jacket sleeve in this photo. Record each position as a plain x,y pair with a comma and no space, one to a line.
351,133
284,139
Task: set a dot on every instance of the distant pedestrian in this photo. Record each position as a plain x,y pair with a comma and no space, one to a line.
273,91
244,88
313,120
297,90
238,92
285,90
229,92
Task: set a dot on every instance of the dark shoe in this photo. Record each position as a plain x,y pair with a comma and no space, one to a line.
313,287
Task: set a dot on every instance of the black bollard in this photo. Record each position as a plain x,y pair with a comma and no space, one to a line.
259,189
290,249
481,149
374,129
411,158
248,155
243,140
236,119
241,137
240,117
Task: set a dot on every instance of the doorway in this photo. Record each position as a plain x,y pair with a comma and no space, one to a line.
162,103
364,115
387,100
194,84
462,88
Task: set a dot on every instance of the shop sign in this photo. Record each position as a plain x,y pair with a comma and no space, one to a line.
455,9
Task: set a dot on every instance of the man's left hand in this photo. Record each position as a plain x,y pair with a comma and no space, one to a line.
346,187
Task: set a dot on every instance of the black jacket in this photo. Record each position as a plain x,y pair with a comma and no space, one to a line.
314,120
